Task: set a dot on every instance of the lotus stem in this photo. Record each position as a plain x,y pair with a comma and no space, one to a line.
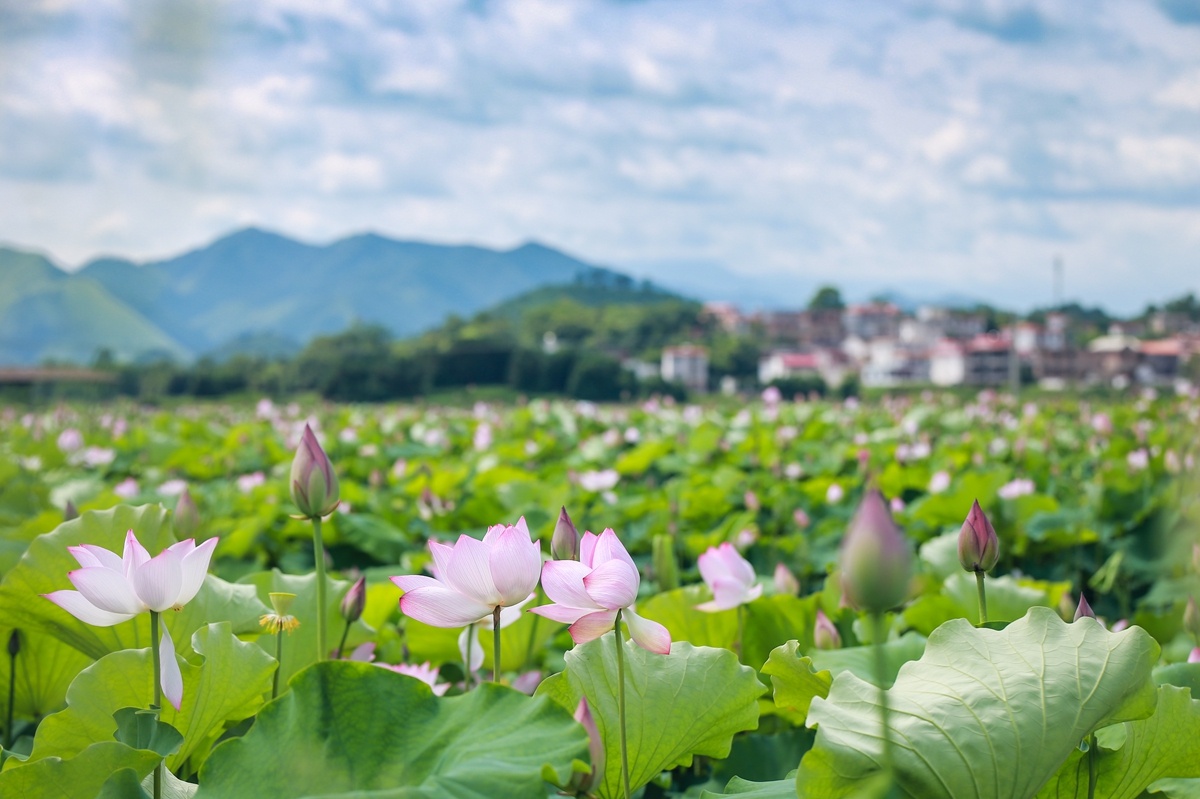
467,663
278,662
880,632
741,630
319,556
621,704
1091,756
342,643
979,576
12,693
537,590
496,644
157,706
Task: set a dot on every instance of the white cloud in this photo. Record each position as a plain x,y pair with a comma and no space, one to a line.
336,172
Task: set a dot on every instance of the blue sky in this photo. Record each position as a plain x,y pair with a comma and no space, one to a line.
932,147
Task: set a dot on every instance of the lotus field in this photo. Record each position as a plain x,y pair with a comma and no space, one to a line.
919,596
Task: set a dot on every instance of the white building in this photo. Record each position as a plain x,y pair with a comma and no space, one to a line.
686,364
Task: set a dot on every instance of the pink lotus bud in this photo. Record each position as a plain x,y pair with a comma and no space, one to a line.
564,545
1084,609
584,783
314,485
978,546
354,601
876,561
187,516
1194,657
70,511
801,518
785,581
751,501
825,635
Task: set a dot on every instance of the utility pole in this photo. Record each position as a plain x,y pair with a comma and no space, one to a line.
1058,281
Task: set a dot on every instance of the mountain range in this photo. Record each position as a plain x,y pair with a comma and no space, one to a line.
254,286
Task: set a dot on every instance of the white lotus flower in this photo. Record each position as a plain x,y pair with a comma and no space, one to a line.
114,589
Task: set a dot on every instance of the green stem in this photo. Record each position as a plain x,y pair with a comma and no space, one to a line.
532,628
982,598
496,644
741,629
157,706
880,632
278,662
342,643
12,698
319,556
467,664
1092,766
621,704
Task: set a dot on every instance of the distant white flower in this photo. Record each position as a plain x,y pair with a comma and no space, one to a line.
897,505
348,435
834,494
126,488
173,488
248,482
33,463
793,471
98,456
1017,488
70,440
939,482
483,437
632,435
1138,460
772,395
598,481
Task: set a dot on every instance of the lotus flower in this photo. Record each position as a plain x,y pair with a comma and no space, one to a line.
730,577
469,638
423,672
589,593
114,589
978,546
314,485
785,581
472,578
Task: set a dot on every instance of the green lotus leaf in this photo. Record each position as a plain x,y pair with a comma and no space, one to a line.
1132,756
690,702
860,660
80,777
44,569
45,668
1176,788
794,680
227,686
983,713
776,789
353,729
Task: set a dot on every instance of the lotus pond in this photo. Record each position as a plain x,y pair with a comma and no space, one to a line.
764,599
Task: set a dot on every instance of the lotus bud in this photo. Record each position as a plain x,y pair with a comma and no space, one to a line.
354,601
1194,657
584,783
978,547
314,484
750,499
564,544
187,516
825,635
70,511
876,561
1191,619
666,568
14,643
1084,609
785,581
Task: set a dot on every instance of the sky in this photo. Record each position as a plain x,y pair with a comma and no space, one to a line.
748,148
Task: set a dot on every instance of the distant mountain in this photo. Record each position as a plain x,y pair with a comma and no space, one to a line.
254,287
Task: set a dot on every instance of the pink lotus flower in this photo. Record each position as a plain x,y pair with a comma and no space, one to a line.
114,589
589,593
472,578
730,577
785,581
423,672
825,635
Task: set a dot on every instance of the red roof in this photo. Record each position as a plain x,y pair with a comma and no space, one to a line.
799,360
986,343
1167,346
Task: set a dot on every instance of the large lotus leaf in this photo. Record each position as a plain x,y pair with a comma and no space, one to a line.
860,660
353,729
300,645
772,621
80,777
228,685
1176,788
44,569
1132,756
794,680
744,789
690,702
676,610
45,668
983,713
